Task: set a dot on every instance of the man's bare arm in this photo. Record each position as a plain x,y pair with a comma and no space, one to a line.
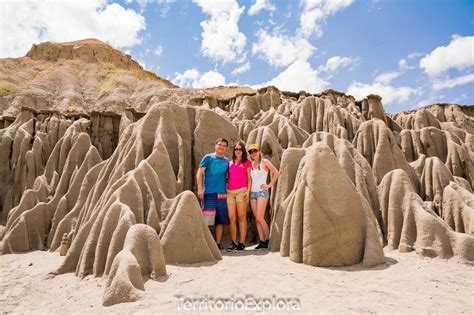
199,175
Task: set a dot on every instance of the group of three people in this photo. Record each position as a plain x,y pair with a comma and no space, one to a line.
225,187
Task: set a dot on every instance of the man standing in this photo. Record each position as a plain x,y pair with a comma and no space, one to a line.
214,167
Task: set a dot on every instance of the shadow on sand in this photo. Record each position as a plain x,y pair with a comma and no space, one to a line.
387,264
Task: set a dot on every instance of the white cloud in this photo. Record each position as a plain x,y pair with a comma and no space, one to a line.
242,69
186,78
403,65
143,3
193,78
280,50
221,38
336,62
459,54
261,5
27,22
315,13
450,83
388,93
387,77
414,55
158,51
210,79
381,86
299,76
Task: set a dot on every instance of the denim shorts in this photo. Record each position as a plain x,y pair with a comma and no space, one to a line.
254,195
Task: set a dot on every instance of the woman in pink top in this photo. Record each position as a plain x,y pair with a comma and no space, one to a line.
238,191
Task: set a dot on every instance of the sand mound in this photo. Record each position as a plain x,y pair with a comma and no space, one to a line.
143,242
458,208
372,107
318,114
353,163
429,141
324,228
95,202
290,164
436,115
185,236
142,254
268,143
418,120
125,282
151,165
452,148
28,224
154,161
411,224
249,106
286,132
434,178
378,145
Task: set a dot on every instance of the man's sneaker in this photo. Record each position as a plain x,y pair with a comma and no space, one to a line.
260,245
241,246
220,246
232,247
265,243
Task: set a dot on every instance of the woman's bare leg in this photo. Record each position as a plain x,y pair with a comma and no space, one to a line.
253,205
232,225
242,217
261,207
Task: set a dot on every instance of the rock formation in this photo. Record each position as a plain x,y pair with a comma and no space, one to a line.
125,282
95,148
327,222
142,254
378,145
411,224
185,236
458,208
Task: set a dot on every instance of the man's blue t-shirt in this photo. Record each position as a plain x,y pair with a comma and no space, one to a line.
215,174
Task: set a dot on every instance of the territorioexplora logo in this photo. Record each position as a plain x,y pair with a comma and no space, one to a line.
233,303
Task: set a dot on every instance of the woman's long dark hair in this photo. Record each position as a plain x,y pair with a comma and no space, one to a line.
244,152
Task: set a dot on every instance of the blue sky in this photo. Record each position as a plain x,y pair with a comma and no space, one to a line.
410,52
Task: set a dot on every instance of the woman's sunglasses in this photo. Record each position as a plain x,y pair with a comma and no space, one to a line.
238,149
253,151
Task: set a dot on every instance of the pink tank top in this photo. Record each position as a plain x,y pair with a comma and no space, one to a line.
238,175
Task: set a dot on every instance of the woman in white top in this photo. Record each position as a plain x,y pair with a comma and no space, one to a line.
259,194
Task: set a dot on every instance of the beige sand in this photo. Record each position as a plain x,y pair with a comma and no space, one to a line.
405,283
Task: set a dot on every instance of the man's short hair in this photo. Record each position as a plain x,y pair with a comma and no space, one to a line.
222,140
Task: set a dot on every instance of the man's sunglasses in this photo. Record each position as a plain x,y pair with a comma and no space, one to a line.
253,151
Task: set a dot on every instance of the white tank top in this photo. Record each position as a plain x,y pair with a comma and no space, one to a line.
259,177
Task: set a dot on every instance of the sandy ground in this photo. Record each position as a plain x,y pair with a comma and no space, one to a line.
405,283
